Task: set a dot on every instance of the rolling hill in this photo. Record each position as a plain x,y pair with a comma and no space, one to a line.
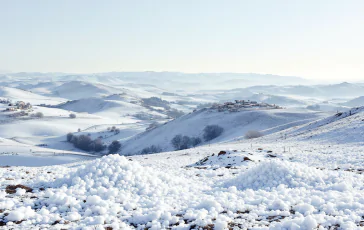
15,94
359,101
235,125
343,127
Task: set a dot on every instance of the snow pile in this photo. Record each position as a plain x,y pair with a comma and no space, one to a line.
271,174
228,159
113,187
122,194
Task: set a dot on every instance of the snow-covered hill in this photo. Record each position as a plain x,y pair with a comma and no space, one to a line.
15,94
344,127
77,89
356,102
328,107
342,90
235,125
116,108
278,100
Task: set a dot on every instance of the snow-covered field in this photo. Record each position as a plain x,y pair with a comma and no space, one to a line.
306,172
235,185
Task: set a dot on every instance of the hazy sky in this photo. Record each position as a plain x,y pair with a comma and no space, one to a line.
322,39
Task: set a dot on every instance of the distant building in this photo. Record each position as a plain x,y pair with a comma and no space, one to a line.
11,109
22,105
242,104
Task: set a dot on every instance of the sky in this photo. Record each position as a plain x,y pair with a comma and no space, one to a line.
315,39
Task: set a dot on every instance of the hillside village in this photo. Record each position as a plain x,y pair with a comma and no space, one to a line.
240,105
23,107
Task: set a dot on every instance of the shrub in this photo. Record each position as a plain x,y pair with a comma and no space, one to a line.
69,137
176,141
186,143
99,146
84,142
114,147
212,131
151,149
39,115
180,142
195,141
91,147
74,140
253,134
72,115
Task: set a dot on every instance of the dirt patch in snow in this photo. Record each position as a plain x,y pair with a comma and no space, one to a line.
11,189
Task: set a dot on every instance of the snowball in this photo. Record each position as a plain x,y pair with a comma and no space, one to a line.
309,222
21,213
343,186
73,216
210,204
304,208
7,204
15,216
279,205
220,225
20,191
93,200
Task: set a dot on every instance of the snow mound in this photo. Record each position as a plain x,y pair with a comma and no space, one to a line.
271,174
228,159
113,186
117,172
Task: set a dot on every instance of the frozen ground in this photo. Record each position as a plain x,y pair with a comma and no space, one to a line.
255,187
281,181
